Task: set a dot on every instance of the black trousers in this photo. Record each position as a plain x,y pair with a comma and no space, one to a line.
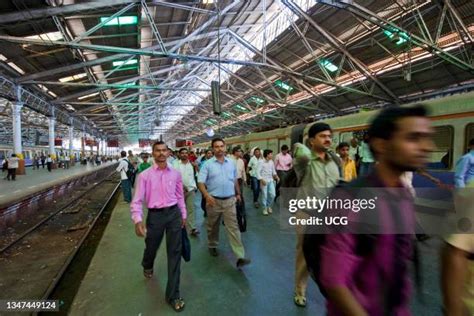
283,175
156,224
11,174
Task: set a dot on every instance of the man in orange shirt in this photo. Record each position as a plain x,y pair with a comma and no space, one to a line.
348,165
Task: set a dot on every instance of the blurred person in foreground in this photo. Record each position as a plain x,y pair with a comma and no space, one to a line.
457,256
368,274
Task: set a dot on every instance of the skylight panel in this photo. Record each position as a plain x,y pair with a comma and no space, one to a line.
88,96
124,62
73,77
51,36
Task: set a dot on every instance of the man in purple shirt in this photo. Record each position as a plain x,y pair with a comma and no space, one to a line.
376,281
161,188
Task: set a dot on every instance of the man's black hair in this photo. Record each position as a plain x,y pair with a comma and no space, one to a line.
236,149
385,123
318,128
158,143
123,153
183,149
343,144
266,152
471,142
217,139
284,147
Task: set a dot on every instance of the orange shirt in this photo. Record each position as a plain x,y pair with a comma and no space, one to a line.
349,169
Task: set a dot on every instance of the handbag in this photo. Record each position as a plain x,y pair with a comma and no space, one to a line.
241,217
186,245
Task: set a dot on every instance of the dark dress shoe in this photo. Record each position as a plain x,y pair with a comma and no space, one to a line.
242,262
213,252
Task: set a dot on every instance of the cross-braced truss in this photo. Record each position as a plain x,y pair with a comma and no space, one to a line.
132,69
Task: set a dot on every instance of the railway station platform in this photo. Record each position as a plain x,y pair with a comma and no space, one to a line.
114,283
37,180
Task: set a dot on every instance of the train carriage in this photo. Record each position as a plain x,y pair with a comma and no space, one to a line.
452,118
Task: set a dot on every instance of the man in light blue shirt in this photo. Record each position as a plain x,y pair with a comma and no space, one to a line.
218,184
464,175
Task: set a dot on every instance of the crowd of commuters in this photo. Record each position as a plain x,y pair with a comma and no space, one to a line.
397,144
62,160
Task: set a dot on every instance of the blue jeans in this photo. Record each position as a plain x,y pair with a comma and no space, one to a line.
127,190
268,194
255,185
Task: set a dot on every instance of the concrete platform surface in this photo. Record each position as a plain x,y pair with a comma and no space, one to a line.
40,179
114,284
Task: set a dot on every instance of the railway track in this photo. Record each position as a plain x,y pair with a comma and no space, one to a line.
50,216
33,263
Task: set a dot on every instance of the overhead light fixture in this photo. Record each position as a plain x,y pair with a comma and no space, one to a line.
73,77
328,65
207,1
240,108
210,132
88,96
396,36
283,85
124,62
226,115
256,100
210,122
130,83
121,20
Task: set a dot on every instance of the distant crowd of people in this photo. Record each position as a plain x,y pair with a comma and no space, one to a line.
63,160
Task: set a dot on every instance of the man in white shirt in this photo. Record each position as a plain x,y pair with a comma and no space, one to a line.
12,166
252,168
186,168
123,166
354,150
267,176
67,159
236,157
367,161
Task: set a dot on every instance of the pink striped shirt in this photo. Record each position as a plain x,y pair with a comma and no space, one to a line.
283,162
158,188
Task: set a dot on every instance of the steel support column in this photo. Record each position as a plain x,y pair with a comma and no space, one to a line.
71,136
52,122
16,115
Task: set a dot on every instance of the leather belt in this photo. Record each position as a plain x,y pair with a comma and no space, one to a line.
163,209
223,198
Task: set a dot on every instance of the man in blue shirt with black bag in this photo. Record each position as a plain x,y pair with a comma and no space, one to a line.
218,184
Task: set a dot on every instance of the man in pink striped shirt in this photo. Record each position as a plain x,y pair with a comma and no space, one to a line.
161,188
283,164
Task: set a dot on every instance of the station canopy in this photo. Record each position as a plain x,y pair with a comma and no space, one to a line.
131,69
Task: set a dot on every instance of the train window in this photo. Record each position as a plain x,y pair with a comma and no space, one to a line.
347,136
469,135
442,156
